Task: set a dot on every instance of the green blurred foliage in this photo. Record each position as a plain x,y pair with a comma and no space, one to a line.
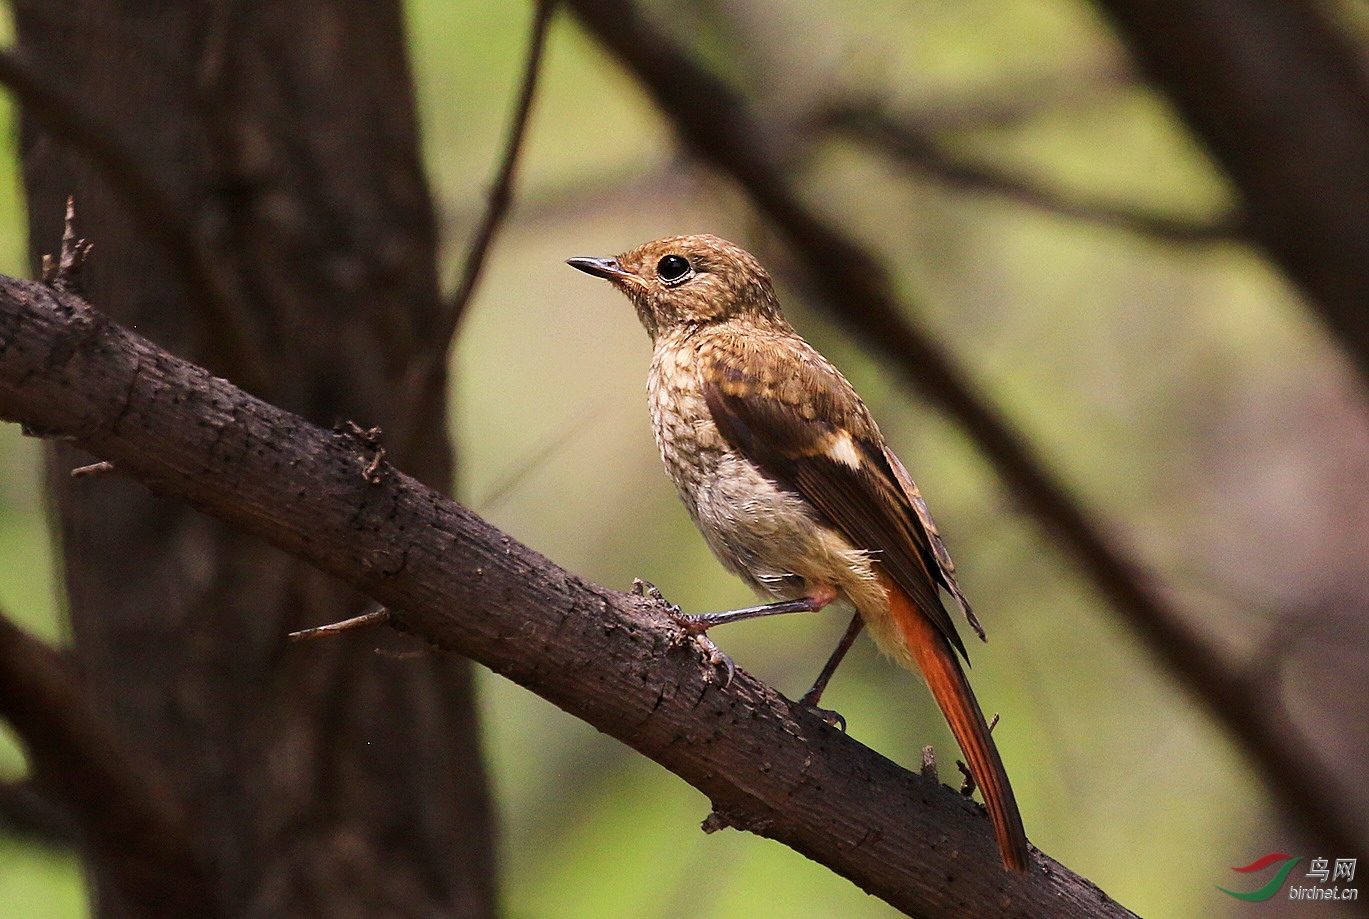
1134,366
34,880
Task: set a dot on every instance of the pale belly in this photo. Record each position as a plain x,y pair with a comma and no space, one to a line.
761,531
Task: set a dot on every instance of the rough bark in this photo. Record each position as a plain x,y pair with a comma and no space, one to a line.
769,765
334,782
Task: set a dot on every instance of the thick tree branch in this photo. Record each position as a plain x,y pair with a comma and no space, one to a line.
767,764
852,283
122,804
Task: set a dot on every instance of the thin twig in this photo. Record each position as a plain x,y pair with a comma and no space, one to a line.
527,465
501,190
377,616
967,784
431,361
94,470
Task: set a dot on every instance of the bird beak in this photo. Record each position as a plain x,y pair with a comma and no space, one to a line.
606,268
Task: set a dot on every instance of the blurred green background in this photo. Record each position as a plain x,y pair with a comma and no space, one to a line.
1169,384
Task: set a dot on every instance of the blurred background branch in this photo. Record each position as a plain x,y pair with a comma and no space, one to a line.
26,813
431,365
1279,98
910,144
125,807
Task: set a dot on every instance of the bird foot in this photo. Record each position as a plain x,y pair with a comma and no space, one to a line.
834,718
716,659
691,627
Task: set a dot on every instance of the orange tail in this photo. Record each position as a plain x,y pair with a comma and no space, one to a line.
946,679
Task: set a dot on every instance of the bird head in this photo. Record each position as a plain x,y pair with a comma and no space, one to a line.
683,282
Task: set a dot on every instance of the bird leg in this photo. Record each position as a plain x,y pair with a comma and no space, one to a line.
696,625
811,697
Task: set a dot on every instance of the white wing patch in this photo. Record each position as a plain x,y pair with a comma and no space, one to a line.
843,449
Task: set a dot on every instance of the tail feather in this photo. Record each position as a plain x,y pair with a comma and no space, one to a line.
952,692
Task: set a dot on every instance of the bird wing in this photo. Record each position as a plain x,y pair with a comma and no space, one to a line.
804,426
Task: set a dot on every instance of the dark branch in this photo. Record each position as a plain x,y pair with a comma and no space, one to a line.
853,285
920,150
1012,104
26,813
607,657
123,805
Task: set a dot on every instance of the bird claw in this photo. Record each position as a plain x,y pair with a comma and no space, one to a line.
649,590
716,658
833,718
690,627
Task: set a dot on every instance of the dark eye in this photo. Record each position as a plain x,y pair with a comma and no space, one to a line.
673,269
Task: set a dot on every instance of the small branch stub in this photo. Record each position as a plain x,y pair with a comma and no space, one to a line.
967,786
369,438
98,470
65,272
378,616
929,763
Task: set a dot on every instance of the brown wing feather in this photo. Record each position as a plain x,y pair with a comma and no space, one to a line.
943,558
787,425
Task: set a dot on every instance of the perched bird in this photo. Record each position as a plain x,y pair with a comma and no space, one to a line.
791,483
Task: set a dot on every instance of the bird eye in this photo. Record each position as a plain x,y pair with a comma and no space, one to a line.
674,269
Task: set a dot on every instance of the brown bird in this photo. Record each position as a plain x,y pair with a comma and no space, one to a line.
791,483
